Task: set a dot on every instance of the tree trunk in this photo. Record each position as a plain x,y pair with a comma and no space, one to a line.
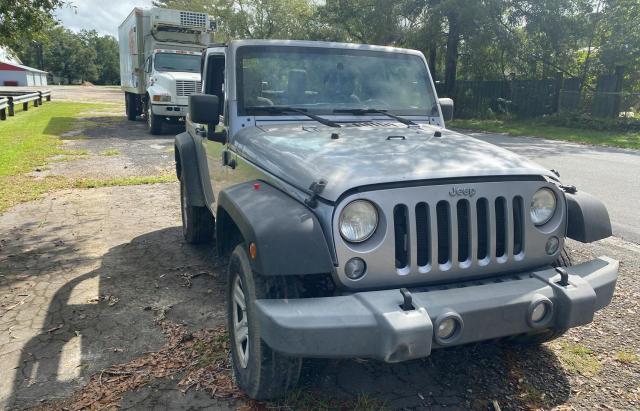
453,40
432,60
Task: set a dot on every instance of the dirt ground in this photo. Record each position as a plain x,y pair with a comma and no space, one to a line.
104,94
90,281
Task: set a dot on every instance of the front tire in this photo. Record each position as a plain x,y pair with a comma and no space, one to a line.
131,106
259,371
154,122
197,222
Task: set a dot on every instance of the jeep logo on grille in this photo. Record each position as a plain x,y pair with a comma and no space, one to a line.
462,192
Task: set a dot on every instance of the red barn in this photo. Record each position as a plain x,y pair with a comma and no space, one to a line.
14,74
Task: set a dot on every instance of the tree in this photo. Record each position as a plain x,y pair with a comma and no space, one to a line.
25,19
463,39
618,40
84,56
106,60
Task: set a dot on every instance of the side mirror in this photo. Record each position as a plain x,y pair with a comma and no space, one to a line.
446,105
204,109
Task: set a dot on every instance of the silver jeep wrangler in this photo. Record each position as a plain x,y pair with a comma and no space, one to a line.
357,225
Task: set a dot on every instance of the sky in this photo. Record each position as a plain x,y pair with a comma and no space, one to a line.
103,16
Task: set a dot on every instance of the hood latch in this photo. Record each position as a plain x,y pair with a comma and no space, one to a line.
316,188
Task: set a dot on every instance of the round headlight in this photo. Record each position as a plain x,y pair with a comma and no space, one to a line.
358,221
543,206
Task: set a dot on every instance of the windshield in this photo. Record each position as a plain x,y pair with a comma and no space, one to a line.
322,80
177,62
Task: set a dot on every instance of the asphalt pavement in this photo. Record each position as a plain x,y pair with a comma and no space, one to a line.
610,174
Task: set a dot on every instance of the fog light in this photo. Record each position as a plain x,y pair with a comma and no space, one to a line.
447,328
355,268
539,312
552,245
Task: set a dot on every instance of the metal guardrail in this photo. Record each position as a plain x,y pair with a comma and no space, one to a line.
4,105
46,94
9,100
23,99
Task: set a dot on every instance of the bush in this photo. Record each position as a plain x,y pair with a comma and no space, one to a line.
584,121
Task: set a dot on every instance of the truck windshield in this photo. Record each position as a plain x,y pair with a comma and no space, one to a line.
333,80
189,63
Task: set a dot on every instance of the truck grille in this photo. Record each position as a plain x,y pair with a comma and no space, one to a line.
187,87
455,233
192,19
430,234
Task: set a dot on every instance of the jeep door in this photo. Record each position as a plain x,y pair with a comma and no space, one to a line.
210,152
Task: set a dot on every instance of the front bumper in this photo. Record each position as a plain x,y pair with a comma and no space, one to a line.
372,324
169,110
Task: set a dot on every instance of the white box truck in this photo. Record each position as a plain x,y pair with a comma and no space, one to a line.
160,54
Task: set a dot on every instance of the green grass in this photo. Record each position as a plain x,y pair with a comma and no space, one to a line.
110,153
538,128
124,181
578,358
627,357
31,139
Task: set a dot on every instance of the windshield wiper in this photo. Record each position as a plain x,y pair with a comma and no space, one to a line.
286,109
360,111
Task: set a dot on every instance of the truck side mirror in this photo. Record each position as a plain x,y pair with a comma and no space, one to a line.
446,105
204,109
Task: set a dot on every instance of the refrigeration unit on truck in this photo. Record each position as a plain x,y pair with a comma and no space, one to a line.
160,52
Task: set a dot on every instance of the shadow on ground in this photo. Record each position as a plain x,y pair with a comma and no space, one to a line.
84,331
110,127
149,278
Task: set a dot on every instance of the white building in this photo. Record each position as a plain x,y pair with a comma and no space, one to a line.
14,73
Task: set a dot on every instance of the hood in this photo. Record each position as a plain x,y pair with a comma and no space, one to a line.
373,154
177,75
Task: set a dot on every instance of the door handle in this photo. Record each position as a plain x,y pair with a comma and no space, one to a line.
201,131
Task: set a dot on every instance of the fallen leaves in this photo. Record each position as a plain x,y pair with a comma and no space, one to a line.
110,299
200,359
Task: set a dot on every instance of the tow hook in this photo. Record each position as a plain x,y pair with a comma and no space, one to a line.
407,305
564,276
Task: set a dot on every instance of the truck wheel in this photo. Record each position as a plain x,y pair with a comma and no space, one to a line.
259,371
154,122
130,104
197,222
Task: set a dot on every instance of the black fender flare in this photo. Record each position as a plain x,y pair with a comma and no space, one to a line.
288,236
187,168
588,219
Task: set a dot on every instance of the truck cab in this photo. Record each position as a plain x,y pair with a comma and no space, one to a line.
357,225
171,76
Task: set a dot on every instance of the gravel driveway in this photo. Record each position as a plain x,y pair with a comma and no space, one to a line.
91,279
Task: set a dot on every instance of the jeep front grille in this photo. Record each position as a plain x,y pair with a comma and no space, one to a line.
455,232
428,235
187,87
